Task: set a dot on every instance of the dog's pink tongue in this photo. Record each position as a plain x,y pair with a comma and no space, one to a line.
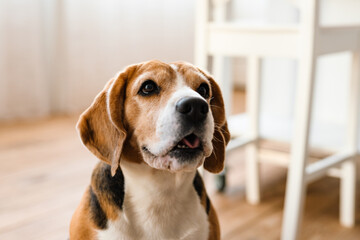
195,143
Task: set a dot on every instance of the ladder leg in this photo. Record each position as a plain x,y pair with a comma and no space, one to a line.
222,72
201,39
296,182
348,176
222,66
252,107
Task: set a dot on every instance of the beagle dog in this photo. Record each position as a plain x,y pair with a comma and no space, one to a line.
152,126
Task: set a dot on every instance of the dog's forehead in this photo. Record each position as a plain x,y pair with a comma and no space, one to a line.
156,68
172,73
188,72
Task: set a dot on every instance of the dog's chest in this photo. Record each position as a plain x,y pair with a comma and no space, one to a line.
188,222
158,209
171,220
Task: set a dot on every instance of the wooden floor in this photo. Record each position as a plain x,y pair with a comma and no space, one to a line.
44,170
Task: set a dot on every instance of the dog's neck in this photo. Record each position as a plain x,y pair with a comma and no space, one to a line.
154,198
142,181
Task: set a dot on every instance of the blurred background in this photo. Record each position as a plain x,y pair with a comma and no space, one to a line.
56,55
65,51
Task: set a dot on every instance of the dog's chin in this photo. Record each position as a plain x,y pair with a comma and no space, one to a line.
183,154
175,160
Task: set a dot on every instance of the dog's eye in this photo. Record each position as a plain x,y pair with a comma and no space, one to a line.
203,90
148,88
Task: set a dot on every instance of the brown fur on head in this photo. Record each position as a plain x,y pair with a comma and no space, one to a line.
215,163
122,123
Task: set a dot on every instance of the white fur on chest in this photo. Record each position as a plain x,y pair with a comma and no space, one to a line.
158,205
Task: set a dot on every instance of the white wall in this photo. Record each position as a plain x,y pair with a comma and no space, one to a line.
57,54
22,81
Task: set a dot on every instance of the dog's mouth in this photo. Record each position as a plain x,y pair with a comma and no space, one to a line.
189,142
188,149
189,145
186,153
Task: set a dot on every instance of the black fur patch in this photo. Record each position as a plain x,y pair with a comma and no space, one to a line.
97,213
207,205
111,188
198,184
199,188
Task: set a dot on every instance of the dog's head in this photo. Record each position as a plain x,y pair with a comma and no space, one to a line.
170,116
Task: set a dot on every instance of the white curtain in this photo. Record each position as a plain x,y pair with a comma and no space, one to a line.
22,82
56,55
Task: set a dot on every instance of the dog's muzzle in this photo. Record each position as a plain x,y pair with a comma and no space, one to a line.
185,136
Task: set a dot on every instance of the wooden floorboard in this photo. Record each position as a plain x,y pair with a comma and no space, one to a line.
44,170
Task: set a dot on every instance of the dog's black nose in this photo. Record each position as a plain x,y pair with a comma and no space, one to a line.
193,108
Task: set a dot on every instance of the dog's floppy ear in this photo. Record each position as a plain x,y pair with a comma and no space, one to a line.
101,126
215,162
